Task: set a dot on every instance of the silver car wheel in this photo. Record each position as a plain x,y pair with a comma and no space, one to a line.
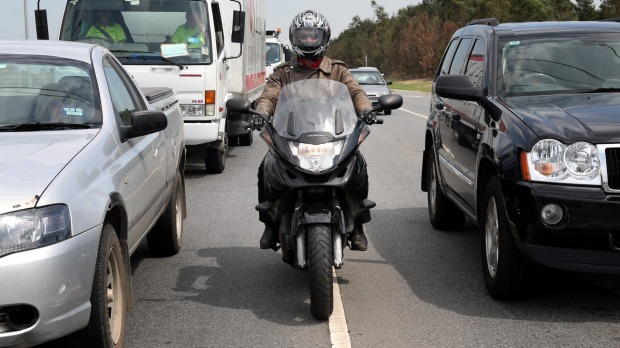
178,206
114,296
491,236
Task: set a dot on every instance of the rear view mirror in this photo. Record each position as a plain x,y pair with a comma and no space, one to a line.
390,101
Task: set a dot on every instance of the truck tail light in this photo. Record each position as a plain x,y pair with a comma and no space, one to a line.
210,102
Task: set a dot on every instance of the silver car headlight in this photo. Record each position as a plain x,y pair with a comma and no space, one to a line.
34,228
551,160
316,158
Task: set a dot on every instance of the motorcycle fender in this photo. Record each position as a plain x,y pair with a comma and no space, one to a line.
320,217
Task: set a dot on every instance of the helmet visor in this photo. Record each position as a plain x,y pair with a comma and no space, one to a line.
307,37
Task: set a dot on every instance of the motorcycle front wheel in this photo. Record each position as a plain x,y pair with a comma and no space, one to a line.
320,264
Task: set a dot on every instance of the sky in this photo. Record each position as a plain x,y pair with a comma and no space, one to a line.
339,13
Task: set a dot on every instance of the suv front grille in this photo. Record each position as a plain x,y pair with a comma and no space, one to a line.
612,160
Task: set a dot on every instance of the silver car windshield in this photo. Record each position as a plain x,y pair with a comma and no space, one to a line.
46,91
561,63
142,32
368,77
314,105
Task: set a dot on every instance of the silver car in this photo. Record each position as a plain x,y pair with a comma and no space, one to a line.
90,165
373,83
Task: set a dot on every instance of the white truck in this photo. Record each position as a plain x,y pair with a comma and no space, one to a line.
276,52
207,51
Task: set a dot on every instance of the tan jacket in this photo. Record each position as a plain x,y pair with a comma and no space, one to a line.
293,71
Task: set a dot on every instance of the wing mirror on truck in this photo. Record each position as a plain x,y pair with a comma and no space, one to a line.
238,30
40,19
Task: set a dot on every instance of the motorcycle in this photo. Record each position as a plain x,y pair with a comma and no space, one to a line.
312,175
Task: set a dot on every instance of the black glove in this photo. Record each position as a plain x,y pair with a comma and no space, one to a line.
257,122
370,117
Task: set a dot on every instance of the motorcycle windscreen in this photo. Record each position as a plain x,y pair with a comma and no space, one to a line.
314,106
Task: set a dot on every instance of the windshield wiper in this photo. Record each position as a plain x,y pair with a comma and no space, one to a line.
602,90
163,59
37,126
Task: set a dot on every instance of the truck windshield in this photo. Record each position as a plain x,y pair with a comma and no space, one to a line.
142,31
273,52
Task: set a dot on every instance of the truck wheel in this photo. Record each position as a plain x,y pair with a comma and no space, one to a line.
165,237
215,162
106,327
246,139
320,263
444,215
505,269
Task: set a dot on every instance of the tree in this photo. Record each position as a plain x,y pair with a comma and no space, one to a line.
609,9
585,10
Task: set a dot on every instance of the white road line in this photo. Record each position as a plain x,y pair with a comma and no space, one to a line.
411,112
338,329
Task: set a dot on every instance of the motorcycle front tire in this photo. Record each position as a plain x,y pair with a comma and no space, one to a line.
320,262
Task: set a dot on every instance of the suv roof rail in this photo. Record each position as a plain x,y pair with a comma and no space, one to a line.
493,22
615,19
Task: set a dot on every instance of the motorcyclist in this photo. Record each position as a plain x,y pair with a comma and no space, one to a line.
309,35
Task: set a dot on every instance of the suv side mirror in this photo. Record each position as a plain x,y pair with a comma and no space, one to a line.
461,87
457,87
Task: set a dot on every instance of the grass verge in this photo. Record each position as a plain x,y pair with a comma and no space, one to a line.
423,85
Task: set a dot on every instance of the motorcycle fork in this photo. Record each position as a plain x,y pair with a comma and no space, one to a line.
301,239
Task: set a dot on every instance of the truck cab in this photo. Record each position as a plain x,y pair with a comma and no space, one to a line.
204,50
276,52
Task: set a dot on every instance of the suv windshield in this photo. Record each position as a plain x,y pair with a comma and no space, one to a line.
48,93
142,32
559,63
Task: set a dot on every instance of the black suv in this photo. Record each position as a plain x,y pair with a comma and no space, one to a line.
523,137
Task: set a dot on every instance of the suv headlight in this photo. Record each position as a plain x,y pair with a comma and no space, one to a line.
316,158
551,160
34,228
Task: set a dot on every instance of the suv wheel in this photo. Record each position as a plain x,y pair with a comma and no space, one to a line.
444,215
504,267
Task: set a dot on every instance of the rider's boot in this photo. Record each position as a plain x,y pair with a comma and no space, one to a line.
268,239
358,238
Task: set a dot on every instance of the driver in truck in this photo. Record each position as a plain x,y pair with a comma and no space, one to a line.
189,33
105,28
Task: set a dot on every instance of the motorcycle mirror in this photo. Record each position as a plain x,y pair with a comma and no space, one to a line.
239,105
390,101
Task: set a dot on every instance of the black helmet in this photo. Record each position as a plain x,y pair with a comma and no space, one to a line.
309,34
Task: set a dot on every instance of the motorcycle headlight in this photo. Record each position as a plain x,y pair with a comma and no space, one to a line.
316,158
550,160
33,228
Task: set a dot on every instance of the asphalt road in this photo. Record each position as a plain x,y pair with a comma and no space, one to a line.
414,287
